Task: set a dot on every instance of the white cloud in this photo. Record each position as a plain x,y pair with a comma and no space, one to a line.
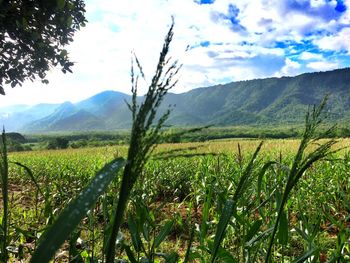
290,68
336,42
322,65
310,56
102,49
317,3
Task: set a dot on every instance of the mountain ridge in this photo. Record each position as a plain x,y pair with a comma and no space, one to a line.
250,102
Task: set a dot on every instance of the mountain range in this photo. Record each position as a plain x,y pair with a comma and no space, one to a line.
276,101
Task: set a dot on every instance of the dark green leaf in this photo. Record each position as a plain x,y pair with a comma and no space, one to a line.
302,233
145,232
258,237
223,222
172,258
130,254
135,234
163,233
306,255
226,257
253,230
282,234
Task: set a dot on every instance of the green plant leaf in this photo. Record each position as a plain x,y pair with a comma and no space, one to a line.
253,230
226,257
67,221
302,233
223,222
30,173
306,255
163,233
258,237
282,234
145,232
205,215
130,254
172,258
135,234
195,255
230,206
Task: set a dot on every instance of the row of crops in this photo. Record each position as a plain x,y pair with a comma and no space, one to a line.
179,200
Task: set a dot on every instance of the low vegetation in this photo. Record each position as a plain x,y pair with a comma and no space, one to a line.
188,185
170,135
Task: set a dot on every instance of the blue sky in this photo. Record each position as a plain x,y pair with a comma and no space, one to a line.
228,40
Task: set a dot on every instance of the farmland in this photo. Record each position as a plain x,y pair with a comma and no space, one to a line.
182,193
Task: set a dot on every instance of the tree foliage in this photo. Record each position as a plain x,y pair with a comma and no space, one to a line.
33,34
58,143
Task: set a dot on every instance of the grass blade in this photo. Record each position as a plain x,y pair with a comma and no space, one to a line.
282,233
54,237
306,255
259,237
223,222
172,258
30,173
253,230
130,254
163,233
135,234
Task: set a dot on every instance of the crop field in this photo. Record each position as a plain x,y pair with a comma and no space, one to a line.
181,198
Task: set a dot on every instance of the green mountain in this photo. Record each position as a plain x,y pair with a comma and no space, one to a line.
109,106
274,101
67,117
266,101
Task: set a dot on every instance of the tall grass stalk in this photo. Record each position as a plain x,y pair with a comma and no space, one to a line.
301,162
144,135
230,208
5,196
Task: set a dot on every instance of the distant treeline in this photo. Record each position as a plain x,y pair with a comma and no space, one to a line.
214,133
19,142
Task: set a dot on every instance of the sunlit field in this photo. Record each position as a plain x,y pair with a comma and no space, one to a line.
187,184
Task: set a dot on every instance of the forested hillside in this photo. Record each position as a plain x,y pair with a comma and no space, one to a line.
277,101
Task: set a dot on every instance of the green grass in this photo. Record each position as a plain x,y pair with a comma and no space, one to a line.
179,185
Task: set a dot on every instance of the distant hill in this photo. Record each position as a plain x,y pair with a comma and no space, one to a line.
66,117
253,102
272,100
14,118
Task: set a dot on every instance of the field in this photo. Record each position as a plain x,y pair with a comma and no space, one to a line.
180,199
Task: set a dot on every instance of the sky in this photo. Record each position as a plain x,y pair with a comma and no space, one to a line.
217,41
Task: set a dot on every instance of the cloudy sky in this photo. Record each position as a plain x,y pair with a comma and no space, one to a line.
226,40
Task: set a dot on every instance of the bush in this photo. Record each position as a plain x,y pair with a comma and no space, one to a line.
58,143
